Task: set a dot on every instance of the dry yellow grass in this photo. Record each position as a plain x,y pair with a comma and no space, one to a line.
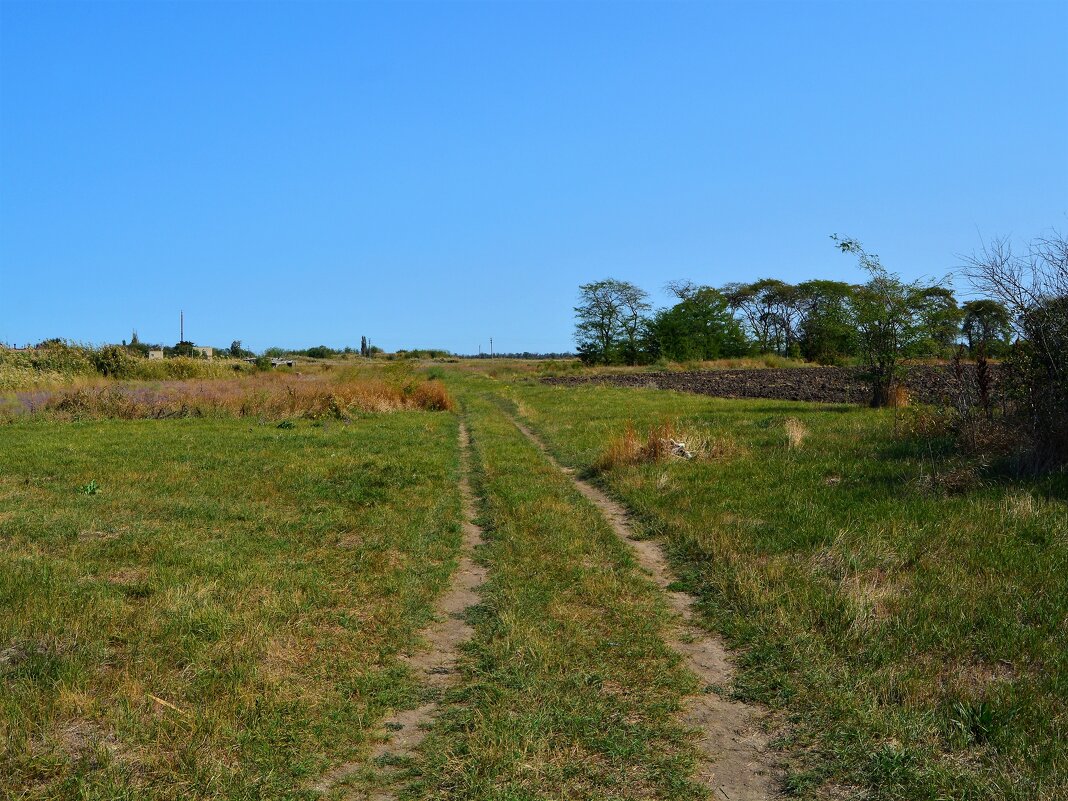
661,443
270,396
795,432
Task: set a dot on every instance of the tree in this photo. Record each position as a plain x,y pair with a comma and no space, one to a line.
137,346
940,318
363,347
1033,287
236,351
750,302
699,326
986,324
610,319
827,330
889,320
785,313
184,348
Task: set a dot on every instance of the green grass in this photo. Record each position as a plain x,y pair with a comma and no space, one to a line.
258,581
214,608
909,627
568,691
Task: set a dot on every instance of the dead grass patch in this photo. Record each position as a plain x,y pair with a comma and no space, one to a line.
796,433
664,442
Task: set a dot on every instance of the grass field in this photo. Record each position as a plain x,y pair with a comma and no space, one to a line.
212,608
219,606
906,614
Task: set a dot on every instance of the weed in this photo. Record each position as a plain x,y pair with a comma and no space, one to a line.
92,488
795,432
973,720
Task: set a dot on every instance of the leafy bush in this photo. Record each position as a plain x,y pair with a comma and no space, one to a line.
113,361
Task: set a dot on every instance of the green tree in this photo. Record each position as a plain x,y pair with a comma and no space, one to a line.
987,323
889,316
238,352
699,326
137,346
827,332
940,318
609,321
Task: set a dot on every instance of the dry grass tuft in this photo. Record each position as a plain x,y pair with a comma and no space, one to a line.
663,442
899,397
1021,504
795,432
955,479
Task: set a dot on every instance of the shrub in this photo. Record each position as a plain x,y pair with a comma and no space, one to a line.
433,396
113,361
1033,287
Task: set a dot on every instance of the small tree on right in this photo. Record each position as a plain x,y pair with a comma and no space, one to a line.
1033,286
889,318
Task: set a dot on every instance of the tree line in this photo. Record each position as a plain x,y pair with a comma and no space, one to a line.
827,322
879,324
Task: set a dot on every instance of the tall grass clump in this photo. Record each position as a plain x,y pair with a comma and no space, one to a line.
269,396
795,432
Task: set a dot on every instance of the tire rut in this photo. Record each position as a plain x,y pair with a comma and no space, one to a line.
403,732
736,763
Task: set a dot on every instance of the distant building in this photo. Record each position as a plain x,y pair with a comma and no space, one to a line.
207,353
155,354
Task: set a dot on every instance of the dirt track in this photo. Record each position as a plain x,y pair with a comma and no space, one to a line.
736,762
927,384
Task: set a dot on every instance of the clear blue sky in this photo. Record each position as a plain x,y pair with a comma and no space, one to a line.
433,175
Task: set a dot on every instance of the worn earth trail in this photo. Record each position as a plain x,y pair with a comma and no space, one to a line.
404,731
736,762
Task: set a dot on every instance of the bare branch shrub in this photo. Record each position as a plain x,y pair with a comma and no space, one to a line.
1033,286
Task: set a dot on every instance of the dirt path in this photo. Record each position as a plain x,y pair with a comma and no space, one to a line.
737,764
403,732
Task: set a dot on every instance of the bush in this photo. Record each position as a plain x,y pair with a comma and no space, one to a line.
112,361
1034,288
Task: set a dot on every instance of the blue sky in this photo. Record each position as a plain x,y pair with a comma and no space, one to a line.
437,174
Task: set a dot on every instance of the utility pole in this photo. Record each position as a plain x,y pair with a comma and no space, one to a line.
491,347
181,326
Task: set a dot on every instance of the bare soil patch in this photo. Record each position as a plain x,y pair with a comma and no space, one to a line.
925,383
